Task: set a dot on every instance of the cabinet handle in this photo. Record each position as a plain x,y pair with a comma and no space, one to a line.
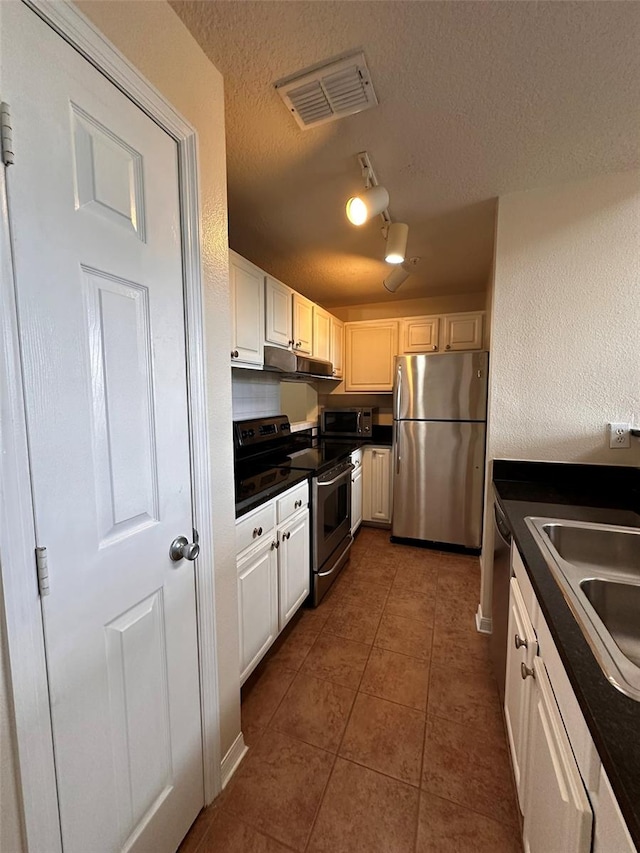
275,544
520,642
434,347
291,343
234,353
525,671
257,531
297,504
299,344
448,346
286,535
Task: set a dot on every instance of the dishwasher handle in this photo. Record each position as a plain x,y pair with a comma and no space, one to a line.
501,524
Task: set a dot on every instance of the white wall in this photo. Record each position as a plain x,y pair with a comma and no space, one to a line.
565,345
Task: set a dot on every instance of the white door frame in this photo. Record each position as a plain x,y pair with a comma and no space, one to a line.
22,614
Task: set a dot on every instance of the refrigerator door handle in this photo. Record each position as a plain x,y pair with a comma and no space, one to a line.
397,448
398,390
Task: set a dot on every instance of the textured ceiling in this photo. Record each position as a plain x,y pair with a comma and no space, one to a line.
477,99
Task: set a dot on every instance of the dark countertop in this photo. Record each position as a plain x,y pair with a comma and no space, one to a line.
597,493
292,478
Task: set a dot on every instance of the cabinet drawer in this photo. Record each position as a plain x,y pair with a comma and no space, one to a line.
292,501
255,527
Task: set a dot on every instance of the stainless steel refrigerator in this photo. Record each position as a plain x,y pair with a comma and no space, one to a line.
439,432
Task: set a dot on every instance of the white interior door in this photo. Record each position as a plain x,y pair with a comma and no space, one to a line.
94,211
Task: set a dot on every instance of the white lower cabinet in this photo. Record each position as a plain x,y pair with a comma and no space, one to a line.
376,485
522,648
356,490
293,565
557,813
274,565
257,605
565,798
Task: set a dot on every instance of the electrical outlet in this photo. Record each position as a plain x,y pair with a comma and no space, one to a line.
619,435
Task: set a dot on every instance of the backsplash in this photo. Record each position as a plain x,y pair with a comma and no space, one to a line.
254,394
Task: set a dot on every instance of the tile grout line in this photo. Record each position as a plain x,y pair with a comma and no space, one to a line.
344,731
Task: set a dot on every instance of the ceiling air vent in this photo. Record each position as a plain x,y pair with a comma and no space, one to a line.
329,91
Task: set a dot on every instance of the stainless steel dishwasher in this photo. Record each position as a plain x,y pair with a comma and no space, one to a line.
500,595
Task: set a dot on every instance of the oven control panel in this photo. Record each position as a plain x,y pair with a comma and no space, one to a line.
260,430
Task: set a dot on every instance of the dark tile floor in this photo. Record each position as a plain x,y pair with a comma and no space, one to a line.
374,724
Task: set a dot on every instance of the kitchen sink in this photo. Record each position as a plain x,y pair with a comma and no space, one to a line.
597,567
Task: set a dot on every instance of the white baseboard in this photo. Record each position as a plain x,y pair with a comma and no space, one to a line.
232,759
484,624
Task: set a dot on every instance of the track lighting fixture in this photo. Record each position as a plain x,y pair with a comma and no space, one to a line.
395,279
400,274
373,201
397,235
361,208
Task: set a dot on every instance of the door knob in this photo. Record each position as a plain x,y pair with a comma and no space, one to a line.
182,549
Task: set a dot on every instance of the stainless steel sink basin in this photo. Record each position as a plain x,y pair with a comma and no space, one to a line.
597,567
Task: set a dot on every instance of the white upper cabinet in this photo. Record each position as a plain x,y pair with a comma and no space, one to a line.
321,333
278,329
302,324
445,333
420,334
371,347
337,346
247,311
462,331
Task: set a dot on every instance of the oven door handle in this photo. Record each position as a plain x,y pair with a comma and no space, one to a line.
340,476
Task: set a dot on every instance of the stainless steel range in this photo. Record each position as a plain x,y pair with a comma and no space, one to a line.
266,452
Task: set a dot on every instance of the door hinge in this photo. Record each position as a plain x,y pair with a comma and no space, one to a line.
6,134
43,571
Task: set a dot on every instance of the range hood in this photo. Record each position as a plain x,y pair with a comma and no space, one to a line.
295,366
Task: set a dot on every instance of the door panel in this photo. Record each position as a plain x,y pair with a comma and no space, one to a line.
294,566
95,217
438,481
278,313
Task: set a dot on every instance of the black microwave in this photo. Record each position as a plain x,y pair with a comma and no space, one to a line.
355,422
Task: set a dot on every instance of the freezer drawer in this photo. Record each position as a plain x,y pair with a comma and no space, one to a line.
439,481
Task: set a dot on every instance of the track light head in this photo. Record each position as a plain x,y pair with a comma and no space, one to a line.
395,279
397,235
367,204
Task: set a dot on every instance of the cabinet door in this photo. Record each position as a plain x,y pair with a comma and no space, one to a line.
522,647
377,484
247,307
294,566
356,500
557,814
462,332
371,347
257,605
278,329
302,324
321,333
420,334
337,346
